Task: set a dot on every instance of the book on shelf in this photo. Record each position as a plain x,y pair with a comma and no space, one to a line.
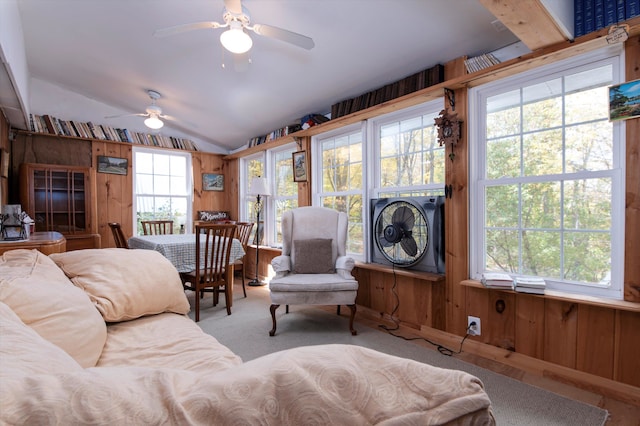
533,285
51,125
480,62
497,280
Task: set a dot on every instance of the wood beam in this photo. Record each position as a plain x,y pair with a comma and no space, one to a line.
529,20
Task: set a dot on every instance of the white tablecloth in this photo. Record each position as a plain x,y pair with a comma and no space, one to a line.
179,248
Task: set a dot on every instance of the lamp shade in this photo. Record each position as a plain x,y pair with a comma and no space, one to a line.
259,186
153,122
235,40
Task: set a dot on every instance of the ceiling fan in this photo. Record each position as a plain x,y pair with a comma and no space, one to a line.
236,18
153,113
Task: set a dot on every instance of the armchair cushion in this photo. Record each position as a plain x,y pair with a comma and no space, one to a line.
313,256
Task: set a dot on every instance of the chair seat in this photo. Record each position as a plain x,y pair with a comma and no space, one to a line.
346,297
312,282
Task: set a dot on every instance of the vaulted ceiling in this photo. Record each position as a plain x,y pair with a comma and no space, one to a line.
96,58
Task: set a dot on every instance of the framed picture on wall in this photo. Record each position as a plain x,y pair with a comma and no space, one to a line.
212,182
624,101
300,166
113,165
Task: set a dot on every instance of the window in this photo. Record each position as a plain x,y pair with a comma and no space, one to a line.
409,160
251,167
285,190
163,187
277,166
547,180
406,160
340,183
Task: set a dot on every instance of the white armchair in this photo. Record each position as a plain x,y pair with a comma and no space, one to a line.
313,268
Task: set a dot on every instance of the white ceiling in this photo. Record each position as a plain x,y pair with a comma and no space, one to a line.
104,51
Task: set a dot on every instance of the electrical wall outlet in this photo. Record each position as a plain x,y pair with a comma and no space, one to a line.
474,330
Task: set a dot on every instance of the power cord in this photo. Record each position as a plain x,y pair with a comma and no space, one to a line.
442,349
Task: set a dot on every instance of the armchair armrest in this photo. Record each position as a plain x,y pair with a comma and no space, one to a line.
344,266
281,265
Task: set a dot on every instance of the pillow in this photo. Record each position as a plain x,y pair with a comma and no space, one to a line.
24,352
313,256
125,284
44,299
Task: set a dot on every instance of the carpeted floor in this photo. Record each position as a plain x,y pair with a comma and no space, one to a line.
245,332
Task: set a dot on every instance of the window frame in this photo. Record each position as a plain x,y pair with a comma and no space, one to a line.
268,215
374,126
189,181
317,170
371,150
478,183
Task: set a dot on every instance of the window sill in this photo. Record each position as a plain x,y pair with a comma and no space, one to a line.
426,276
622,305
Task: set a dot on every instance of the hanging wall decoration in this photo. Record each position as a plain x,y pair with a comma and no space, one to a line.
449,130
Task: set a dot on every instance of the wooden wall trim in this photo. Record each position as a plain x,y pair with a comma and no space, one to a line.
528,20
632,183
591,382
567,297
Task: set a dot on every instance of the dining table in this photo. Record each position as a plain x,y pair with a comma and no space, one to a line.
179,249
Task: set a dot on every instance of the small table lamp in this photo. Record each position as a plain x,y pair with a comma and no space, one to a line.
260,189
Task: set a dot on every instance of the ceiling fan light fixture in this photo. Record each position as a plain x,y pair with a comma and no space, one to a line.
235,40
153,122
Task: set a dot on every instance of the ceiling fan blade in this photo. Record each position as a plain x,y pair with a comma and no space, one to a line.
233,6
284,35
177,29
409,245
127,115
404,216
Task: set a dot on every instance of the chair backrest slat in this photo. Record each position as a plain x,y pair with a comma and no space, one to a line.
157,227
118,235
213,251
243,233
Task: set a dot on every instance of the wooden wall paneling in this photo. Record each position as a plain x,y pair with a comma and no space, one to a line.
414,302
364,286
45,149
456,211
500,324
114,193
627,347
232,189
595,340
304,188
439,308
264,267
560,334
4,150
632,184
203,162
477,305
529,326
198,203
530,21
380,292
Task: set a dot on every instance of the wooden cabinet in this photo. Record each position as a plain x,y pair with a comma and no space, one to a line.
45,242
58,198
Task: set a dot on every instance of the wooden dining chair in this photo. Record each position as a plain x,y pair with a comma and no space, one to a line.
157,227
243,232
213,252
118,235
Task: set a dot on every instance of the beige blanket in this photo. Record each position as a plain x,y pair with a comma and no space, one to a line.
316,385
